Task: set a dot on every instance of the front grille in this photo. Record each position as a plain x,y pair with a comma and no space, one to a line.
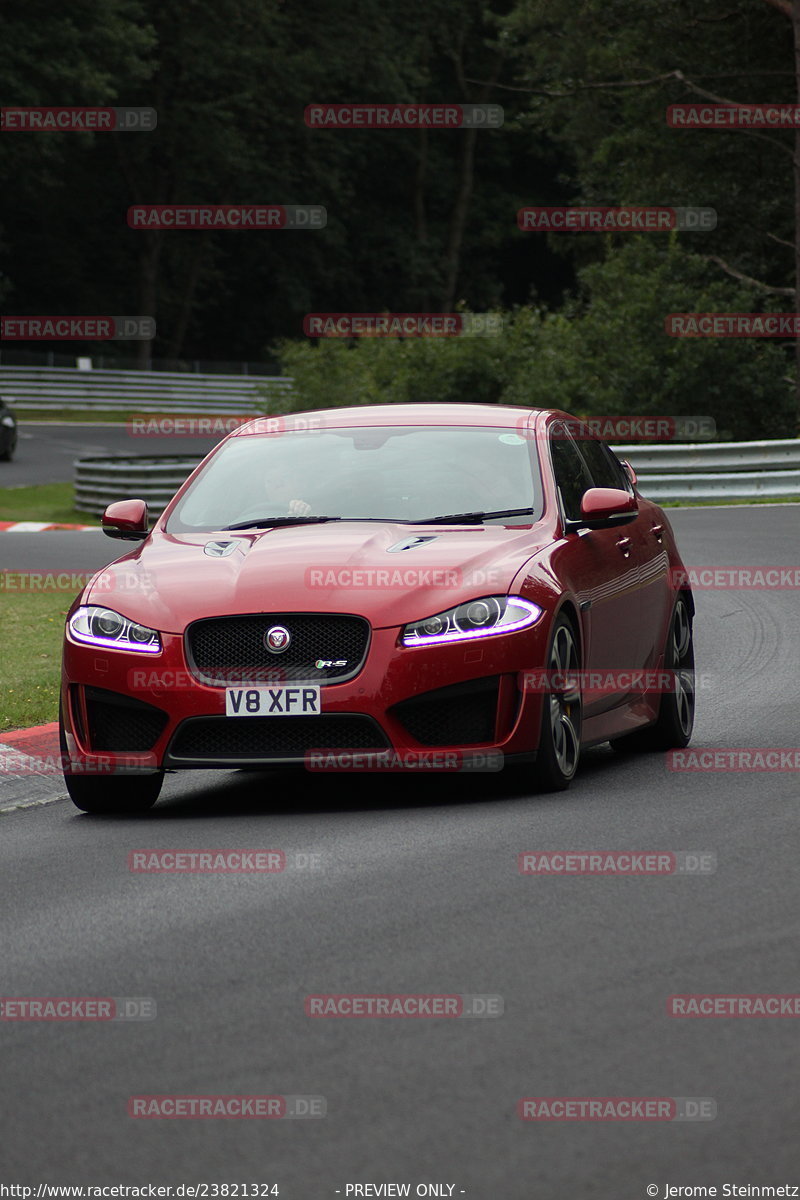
223,650
118,722
461,715
255,739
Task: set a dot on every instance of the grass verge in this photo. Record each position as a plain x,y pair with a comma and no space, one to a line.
43,502
65,416
31,629
95,416
721,502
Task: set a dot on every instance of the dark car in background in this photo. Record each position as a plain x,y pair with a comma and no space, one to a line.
8,432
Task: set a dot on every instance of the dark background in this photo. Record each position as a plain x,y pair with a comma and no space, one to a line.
417,221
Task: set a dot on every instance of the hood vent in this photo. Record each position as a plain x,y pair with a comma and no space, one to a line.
221,549
410,543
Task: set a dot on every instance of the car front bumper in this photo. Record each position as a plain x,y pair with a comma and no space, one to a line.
126,712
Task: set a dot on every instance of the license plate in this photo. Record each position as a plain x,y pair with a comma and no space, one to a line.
273,702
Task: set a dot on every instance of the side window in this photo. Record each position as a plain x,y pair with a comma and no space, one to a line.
572,477
606,470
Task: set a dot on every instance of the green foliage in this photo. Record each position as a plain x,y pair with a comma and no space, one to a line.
606,354
417,220
334,373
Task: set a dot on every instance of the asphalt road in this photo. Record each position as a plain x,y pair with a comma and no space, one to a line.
46,452
418,891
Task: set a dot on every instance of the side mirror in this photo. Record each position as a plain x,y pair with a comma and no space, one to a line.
605,508
127,520
629,471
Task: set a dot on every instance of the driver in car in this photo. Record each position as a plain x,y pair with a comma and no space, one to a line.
279,488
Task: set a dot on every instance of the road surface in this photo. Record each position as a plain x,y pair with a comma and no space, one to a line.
417,891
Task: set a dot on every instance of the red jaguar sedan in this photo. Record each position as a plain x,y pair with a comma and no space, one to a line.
453,587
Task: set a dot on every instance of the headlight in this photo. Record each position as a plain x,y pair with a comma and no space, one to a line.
9,421
104,627
475,619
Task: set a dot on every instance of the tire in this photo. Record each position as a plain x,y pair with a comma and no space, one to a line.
7,454
112,794
673,726
562,711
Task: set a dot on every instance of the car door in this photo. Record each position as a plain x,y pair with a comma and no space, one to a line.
601,567
647,548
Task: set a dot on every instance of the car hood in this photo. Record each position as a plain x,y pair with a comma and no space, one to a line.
389,573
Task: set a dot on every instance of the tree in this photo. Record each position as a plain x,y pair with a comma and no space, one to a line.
599,75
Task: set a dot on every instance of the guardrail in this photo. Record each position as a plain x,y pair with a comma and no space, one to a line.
99,481
666,474
43,388
716,471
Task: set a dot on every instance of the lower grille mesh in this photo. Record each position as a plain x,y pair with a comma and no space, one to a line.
118,722
461,715
256,738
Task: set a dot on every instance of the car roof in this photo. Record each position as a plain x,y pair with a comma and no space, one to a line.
506,416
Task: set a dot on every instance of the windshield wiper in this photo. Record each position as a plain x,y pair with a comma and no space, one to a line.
268,522
473,518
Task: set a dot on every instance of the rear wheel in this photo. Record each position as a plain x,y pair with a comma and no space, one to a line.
675,722
560,737
112,794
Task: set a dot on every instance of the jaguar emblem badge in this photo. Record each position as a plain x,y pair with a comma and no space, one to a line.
277,639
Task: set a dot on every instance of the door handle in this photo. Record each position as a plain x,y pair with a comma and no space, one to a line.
624,544
658,530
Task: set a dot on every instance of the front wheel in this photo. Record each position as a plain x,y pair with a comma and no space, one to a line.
560,737
110,794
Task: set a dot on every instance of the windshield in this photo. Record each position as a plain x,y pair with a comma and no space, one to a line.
379,473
